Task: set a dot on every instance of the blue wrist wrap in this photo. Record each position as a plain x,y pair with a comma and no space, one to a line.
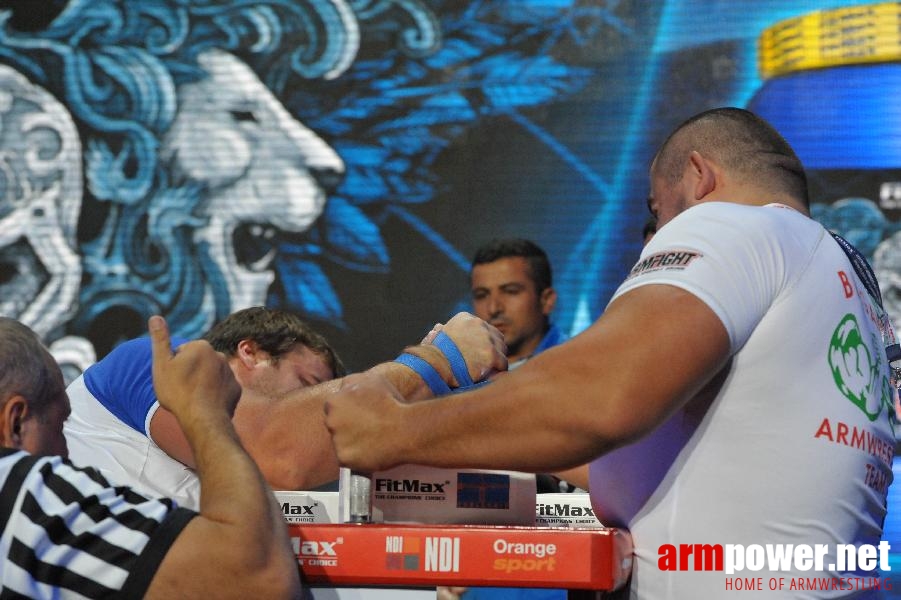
428,373
454,357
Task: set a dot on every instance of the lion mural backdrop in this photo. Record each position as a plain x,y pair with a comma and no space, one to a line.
217,155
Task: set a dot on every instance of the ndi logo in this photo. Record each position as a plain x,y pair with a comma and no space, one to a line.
442,554
436,554
402,552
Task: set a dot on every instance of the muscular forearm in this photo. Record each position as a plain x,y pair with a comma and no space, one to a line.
238,546
600,390
234,494
287,437
410,385
529,422
231,484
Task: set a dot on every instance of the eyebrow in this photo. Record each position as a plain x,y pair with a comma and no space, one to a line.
507,285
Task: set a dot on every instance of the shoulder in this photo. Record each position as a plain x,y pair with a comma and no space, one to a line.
123,382
113,537
133,352
125,360
44,469
129,361
723,228
45,475
737,259
14,468
722,218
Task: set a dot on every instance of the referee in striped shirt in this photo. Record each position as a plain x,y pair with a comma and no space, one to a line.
65,532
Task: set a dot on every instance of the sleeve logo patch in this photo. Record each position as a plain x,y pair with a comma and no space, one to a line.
670,259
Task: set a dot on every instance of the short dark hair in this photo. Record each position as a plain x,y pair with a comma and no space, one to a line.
277,332
539,265
742,142
26,368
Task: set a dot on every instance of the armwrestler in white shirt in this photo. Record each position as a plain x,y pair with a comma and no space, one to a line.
722,395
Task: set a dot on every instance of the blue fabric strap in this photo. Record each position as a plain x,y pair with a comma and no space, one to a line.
470,388
454,357
428,373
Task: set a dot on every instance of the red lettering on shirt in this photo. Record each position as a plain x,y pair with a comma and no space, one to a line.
846,284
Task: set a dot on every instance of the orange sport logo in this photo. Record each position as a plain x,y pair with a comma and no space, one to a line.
517,557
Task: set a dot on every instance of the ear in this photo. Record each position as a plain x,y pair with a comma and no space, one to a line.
248,353
12,414
705,175
548,300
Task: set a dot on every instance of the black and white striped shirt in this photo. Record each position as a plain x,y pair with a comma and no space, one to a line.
65,532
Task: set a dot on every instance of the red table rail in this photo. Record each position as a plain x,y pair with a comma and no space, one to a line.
466,555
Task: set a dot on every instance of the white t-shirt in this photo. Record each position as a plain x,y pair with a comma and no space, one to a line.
112,405
795,447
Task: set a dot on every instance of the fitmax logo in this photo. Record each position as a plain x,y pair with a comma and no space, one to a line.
315,548
295,510
564,510
413,486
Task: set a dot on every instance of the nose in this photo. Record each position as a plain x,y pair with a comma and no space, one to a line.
314,154
328,178
495,306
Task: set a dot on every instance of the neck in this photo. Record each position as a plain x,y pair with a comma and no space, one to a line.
527,347
754,197
240,372
795,204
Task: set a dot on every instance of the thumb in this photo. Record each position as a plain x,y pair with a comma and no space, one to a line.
159,340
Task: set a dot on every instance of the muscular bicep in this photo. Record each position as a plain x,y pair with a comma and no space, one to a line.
287,437
653,349
168,435
656,346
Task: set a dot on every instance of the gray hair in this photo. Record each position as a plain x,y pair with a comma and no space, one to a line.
26,367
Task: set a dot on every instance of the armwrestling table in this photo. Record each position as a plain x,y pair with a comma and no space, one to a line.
584,561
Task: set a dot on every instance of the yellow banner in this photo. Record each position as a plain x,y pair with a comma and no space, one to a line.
828,38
